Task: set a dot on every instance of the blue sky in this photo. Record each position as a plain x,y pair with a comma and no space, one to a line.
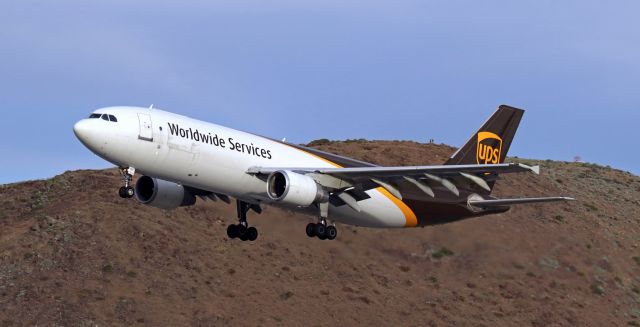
304,70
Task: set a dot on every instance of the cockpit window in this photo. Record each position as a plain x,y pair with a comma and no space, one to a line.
106,117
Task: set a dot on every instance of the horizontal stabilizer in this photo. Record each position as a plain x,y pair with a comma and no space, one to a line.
508,202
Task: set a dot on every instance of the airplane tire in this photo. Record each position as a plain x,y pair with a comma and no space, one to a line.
126,192
232,231
252,234
321,231
122,192
129,191
242,230
331,232
311,230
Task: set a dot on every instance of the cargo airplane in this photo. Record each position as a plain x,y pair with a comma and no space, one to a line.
182,159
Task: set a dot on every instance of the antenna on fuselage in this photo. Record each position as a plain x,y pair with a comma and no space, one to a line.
151,106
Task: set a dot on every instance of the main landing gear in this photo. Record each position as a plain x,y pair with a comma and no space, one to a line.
127,191
242,229
320,229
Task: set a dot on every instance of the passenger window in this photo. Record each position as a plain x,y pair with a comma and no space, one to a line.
113,118
105,117
95,116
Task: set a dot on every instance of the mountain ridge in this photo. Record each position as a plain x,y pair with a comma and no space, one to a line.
73,253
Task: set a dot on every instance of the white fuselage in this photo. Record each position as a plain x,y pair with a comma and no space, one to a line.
216,159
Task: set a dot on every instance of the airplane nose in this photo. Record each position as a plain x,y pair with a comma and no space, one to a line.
81,129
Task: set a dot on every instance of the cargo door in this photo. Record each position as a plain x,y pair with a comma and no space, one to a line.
146,128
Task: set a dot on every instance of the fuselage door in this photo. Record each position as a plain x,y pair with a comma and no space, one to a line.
146,129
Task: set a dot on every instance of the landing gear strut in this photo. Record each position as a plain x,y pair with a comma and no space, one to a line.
242,229
320,229
127,191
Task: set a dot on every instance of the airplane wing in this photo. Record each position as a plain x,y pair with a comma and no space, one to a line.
349,184
365,178
384,172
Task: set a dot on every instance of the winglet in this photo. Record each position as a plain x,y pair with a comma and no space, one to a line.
535,169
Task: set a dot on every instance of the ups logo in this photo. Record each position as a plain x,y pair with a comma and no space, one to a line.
489,148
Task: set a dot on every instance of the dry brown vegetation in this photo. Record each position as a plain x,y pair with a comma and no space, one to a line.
72,253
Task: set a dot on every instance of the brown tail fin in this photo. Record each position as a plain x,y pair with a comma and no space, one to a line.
490,144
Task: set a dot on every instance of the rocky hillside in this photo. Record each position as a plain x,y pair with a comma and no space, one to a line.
73,253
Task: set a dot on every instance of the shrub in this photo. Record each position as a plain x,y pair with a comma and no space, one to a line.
355,141
286,295
319,142
597,288
443,252
591,207
549,263
107,268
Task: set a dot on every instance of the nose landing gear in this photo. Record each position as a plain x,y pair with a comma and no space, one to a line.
127,190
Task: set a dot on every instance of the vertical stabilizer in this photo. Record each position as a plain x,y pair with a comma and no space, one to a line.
490,144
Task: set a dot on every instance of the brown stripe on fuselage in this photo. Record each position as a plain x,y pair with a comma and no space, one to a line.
436,213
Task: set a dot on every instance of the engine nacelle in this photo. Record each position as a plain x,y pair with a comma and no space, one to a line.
162,194
295,189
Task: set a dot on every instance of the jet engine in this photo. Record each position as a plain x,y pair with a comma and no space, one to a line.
162,194
295,189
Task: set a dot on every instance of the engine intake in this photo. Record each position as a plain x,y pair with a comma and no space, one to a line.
295,189
162,194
